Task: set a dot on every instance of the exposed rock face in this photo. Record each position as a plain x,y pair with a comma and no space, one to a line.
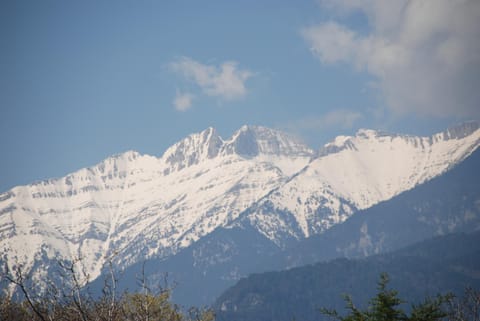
141,207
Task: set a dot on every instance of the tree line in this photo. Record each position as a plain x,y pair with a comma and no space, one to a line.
71,301
386,306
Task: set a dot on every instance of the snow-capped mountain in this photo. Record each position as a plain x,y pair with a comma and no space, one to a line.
134,207
354,173
137,206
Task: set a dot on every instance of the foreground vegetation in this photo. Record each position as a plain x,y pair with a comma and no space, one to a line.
71,302
386,306
131,307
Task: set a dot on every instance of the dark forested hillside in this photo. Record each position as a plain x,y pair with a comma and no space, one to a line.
444,264
449,203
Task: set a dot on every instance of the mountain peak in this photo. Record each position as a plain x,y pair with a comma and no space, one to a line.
338,144
194,148
251,141
260,179
248,141
129,155
366,133
244,142
341,142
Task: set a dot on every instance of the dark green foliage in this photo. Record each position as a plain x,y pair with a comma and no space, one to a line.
385,306
431,309
441,265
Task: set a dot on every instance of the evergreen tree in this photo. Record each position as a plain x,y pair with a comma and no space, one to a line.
385,306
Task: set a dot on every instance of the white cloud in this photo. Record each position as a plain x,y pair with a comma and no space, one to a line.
225,81
182,101
425,54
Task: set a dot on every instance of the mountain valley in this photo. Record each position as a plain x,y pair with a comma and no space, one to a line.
211,210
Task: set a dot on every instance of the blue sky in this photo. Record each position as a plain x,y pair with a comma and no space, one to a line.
82,80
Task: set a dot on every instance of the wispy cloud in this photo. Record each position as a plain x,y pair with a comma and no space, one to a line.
343,119
424,54
338,118
182,101
225,81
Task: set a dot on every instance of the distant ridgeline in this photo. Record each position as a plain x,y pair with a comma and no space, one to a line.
447,264
210,210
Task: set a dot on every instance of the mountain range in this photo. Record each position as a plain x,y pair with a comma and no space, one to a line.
449,264
427,239
448,203
208,207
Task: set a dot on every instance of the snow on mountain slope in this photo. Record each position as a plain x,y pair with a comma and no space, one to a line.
137,206
74,215
134,207
357,172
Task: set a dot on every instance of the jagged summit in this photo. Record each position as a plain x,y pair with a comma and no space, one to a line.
193,149
356,172
252,141
342,142
248,141
142,206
